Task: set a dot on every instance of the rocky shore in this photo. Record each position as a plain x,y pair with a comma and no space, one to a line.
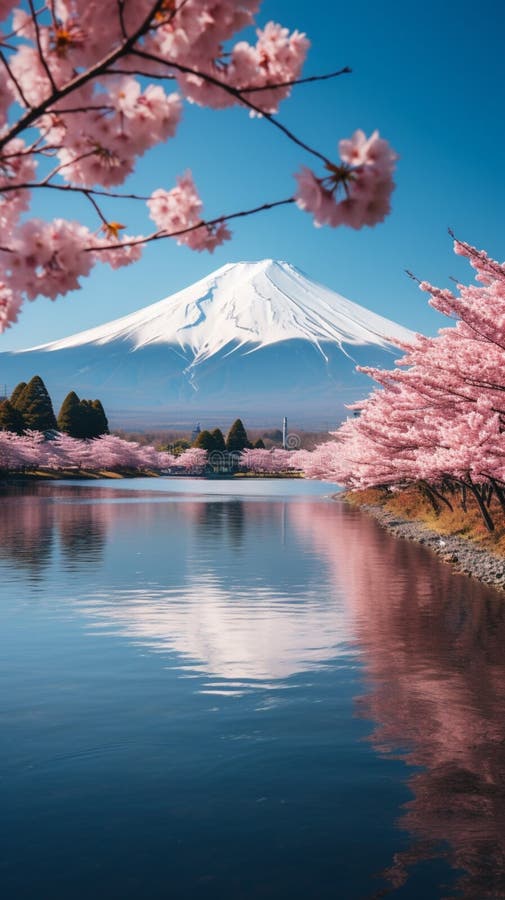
465,555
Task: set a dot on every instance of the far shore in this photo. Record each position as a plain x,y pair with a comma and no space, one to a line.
73,475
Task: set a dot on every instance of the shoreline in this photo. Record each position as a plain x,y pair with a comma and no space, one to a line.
464,555
72,475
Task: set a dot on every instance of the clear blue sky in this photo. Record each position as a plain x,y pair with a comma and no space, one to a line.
430,76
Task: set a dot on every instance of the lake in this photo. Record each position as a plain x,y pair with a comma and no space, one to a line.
234,690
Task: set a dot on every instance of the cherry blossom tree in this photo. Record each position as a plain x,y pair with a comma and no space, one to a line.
88,87
32,450
266,462
438,419
192,461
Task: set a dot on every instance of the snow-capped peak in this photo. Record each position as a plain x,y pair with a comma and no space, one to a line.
245,305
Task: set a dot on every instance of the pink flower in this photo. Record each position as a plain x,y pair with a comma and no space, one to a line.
180,209
49,257
355,193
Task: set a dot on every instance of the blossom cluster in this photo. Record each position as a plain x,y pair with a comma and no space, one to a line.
356,192
178,212
268,462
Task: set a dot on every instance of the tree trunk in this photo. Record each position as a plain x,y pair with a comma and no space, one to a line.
488,522
499,494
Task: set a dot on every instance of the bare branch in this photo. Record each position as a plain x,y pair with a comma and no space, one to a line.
283,84
39,47
80,109
93,202
69,188
120,9
16,84
57,169
151,75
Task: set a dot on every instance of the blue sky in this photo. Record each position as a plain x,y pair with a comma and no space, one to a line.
429,76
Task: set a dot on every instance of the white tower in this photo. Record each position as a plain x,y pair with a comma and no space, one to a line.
285,433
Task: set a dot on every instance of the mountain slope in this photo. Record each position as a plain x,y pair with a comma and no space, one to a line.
257,339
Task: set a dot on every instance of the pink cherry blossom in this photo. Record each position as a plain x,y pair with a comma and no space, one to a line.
439,417
179,209
355,193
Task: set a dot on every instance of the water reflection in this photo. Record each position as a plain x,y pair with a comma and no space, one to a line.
34,527
216,520
243,608
244,596
433,646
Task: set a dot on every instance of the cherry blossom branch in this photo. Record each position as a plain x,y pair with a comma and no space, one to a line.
42,57
69,188
234,92
346,70
93,202
15,82
80,80
158,235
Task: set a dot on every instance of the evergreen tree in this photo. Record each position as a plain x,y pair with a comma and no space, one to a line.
69,416
36,407
88,419
10,418
237,439
16,394
219,443
102,423
82,418
205,441
259,445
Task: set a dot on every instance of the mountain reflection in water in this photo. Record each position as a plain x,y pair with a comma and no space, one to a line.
431,643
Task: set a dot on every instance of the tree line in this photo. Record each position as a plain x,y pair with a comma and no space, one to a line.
30,408
236,440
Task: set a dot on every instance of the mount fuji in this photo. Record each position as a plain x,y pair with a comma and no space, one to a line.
260,340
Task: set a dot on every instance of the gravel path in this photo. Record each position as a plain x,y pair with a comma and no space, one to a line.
466,556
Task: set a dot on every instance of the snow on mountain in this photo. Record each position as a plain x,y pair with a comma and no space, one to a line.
244,303
257,339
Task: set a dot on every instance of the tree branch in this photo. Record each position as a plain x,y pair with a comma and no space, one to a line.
39,47
15,82
282,84
234,92
158,235
81,79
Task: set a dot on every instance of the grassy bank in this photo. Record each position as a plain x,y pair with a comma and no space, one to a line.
412,505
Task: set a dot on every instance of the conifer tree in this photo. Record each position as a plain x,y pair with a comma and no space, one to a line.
82,418
205,441
10,418
259,445
36,407
102,423
237,439
219,442
88,419
17,392
69,416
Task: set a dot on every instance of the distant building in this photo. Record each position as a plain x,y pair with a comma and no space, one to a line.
3,393
196,431
285,433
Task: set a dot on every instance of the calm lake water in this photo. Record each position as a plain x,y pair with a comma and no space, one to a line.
241,690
